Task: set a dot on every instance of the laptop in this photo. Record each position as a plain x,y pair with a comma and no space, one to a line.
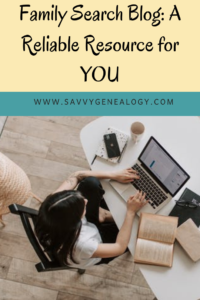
161,177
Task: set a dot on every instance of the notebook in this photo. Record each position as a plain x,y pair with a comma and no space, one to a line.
185,213
155,242
122,139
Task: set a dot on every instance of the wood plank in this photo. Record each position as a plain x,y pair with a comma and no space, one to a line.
22,143
126,256
77,122
66,154
13,225
138,279
44,130
41,167
16,246
13,222
10,290
2,123
65,296
41,182
71,282
121,270
5,262
118,270
42,187
100,270
42,194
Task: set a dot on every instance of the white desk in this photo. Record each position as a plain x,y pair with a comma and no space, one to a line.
180,136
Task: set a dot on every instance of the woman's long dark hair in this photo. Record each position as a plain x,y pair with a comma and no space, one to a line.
59,223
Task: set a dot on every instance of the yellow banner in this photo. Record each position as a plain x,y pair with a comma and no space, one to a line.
100,46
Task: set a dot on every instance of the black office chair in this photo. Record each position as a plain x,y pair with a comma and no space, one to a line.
48,261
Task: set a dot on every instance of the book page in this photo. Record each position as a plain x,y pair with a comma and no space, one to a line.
151,252
157,228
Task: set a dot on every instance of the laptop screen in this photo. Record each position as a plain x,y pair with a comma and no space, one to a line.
163,166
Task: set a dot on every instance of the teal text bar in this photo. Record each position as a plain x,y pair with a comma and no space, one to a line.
99,103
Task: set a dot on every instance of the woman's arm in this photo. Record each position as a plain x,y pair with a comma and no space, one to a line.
118,248
124,176
110,250
69,184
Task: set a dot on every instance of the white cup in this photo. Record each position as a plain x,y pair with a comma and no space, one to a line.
137,131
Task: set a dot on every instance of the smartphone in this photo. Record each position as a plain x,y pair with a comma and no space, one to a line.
111,144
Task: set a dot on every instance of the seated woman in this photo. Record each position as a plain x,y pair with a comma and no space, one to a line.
77,226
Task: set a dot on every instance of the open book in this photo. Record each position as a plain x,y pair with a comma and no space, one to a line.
155,242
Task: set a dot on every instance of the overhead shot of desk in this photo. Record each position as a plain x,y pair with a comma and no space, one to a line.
180,136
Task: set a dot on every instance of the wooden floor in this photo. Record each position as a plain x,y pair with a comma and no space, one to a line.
49,149
2,122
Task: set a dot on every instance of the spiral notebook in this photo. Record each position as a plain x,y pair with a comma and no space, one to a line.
122,139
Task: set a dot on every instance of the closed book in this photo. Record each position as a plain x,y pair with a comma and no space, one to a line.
188,235
186,212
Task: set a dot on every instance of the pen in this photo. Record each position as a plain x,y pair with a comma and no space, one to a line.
93,159
122,152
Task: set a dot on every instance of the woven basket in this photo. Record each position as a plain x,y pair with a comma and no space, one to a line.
15,186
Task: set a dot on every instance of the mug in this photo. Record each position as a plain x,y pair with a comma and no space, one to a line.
137,131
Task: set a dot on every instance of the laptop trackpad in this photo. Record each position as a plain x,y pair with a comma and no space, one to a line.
130,191
119,187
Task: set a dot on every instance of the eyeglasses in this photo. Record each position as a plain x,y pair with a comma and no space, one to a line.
185,203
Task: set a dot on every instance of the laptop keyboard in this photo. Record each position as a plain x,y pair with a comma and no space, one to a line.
153,193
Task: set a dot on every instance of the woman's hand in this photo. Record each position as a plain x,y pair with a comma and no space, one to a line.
125,176
136,202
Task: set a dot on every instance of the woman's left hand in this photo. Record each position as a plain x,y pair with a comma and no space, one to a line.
125,176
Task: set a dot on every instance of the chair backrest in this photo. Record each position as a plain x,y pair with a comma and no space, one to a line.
48,262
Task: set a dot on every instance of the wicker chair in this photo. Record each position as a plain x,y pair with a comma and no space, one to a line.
15,186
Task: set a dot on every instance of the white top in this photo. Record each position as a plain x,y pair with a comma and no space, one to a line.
86,245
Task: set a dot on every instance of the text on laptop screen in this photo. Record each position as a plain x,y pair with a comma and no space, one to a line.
163,167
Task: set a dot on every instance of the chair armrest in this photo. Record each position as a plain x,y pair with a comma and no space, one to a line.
18,209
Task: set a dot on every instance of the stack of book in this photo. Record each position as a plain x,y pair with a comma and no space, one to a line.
187,209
